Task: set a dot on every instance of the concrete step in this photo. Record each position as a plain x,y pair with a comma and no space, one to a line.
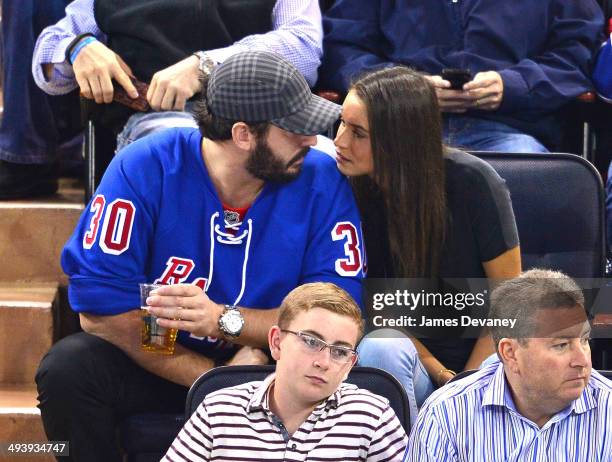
33,233
26,329
20,421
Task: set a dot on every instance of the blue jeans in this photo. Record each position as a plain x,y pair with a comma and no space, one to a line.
145,123
392,351
474,134
36,128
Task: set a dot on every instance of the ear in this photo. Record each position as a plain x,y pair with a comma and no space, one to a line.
508,351
274,342
242,136
349,367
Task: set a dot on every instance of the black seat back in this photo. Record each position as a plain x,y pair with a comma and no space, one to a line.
558,202
376,380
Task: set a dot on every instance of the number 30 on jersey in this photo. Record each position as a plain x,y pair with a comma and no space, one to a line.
116,226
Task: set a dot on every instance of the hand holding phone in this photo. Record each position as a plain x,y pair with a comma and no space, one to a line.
457,77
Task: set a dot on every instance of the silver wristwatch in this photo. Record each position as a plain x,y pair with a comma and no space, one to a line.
231,322
206,62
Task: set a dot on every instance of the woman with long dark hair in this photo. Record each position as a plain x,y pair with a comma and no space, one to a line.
428,212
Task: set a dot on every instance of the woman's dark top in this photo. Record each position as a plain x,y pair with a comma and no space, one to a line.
480,227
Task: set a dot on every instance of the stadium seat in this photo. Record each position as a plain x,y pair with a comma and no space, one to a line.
369,378
558,201
462,374
146,437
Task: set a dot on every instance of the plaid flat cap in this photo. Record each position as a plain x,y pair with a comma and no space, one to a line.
260,86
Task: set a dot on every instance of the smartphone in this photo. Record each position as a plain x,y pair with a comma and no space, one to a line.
457,77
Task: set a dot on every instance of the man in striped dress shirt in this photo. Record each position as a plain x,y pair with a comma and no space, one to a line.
303,411
541,402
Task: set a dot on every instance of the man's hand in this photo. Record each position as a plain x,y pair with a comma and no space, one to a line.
171,87
248,356
186,307
95,67
457,101
487,90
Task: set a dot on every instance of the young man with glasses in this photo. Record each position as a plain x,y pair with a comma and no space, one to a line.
303,410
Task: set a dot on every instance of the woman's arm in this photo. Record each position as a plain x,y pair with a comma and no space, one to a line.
438,373
505,266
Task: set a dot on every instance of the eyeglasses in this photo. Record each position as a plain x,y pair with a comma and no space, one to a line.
339,354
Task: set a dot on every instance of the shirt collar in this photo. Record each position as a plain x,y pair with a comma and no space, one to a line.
259,400
494,394
586,401
498,394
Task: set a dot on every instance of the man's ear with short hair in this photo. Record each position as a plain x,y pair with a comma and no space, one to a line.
242,136
274,342
507,350
348,369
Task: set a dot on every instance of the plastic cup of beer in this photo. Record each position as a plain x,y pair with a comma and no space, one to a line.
153,337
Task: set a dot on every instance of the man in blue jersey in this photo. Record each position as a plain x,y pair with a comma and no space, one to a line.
541,402
236,214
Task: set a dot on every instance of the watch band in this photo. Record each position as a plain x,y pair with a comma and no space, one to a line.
206,64
230,314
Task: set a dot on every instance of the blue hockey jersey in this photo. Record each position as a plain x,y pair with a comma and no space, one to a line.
156,216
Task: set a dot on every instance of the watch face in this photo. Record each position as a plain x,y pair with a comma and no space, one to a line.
232,322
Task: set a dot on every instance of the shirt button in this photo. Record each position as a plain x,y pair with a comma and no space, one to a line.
294,446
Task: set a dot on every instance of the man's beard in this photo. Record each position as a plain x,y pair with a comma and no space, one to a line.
263,164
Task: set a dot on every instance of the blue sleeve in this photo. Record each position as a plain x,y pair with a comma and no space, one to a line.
602,74
561,71
52,43
105,257
335,251
352,42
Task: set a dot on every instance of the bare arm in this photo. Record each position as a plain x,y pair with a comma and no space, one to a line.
123,331
184,366
431,364
505,266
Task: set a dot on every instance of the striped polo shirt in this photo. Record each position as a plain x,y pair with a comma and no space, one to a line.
475,419
236,424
